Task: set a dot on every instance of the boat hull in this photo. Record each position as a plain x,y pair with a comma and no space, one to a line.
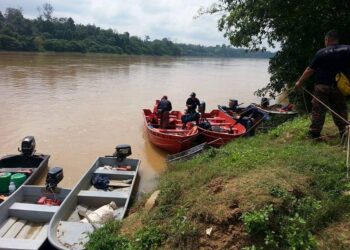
174,139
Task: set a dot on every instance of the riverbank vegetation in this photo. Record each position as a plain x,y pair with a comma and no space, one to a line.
49,33
278,190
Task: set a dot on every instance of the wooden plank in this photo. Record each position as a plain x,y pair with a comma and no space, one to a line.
116,183
115,172
15,229
24,232
29,230
42,235
19,244
36,227
7,225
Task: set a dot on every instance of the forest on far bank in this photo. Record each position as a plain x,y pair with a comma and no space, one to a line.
48,33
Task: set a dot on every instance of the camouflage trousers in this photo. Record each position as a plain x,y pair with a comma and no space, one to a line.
333,98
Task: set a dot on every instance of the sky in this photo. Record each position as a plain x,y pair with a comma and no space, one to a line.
173,19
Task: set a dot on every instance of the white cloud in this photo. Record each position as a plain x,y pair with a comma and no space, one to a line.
157,18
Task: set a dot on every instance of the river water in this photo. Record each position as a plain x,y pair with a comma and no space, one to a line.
79,107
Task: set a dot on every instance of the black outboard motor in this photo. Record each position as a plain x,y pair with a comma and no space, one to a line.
201,108
265,102
122,151
54,176
27,146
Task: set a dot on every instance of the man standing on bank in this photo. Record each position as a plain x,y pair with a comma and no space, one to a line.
192,103
163,108
326,64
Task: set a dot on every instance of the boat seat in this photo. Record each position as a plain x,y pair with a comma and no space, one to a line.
20,244
33,212
127,174
103,194
100,197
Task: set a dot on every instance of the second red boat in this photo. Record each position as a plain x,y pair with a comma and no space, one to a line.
218,128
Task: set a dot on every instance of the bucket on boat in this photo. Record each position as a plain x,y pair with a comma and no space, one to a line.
4,182
18,179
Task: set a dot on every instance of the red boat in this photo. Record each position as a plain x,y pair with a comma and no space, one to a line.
218,128
173,139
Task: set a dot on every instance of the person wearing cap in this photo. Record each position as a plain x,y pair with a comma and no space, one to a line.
163,108
192,103
326,64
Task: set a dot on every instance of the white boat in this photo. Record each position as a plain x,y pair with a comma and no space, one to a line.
70,226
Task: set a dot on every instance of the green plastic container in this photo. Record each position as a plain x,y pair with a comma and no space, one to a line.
18,179
4,182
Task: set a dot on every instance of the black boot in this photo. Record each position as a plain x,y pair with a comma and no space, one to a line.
314,135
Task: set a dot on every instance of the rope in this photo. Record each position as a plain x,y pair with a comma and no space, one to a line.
331,110
307,110
348,153
344,137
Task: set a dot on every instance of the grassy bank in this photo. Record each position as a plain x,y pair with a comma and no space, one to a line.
278,190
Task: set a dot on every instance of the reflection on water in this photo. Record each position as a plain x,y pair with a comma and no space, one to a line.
79,107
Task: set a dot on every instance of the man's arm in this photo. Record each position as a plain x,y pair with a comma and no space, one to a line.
170,106
306,75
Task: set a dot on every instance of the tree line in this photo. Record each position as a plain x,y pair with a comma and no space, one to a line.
49,33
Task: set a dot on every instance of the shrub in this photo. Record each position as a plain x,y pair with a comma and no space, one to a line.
108,237
256,222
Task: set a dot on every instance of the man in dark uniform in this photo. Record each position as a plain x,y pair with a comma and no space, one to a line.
192,103
163,108
326,64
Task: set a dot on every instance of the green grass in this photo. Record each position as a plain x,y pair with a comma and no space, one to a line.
276,190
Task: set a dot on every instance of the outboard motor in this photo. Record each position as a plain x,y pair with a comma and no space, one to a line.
122,151
201,108
27,146
265,102
54,176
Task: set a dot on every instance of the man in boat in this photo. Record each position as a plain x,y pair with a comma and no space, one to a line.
191,112
163,108
326,64
192,103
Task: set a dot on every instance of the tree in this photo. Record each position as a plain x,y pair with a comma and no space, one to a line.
45,11
2,18
298,26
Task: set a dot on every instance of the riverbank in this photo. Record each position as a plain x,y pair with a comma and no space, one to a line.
278,190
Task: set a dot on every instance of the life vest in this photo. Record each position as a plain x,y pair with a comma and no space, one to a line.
343,83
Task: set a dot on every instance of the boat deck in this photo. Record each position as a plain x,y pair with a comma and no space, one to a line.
26,227
23,222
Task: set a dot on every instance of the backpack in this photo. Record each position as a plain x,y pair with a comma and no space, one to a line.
100,181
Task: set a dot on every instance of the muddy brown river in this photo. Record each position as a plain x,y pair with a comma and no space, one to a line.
79,106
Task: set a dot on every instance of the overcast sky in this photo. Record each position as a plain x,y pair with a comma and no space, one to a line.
156,18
